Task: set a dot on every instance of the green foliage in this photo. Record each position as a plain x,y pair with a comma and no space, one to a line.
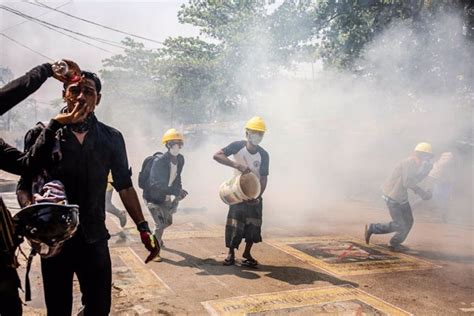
243,44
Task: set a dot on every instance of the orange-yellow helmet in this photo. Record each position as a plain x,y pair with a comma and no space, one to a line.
172,134
256,124
424,148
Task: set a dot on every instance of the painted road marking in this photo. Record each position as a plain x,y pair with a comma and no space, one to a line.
333,300
132,278
186,230
342,255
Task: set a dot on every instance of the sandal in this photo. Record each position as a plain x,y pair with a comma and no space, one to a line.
250,263
229,261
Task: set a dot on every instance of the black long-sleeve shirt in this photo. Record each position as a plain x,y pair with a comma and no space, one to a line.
11,159
19,89
84,168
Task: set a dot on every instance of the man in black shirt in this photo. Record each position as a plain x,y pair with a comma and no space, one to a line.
14,161
88,151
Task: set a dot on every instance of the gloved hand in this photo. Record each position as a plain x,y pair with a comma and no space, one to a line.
182,195
149,240
426,195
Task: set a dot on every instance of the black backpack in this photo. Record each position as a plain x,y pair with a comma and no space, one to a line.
144,175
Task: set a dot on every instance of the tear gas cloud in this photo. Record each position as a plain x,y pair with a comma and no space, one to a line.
334,136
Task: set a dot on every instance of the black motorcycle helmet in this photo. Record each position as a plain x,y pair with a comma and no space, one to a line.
47,226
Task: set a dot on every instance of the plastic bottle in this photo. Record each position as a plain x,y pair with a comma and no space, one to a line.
62,69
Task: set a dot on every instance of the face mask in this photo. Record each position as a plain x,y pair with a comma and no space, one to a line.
254,138
175,149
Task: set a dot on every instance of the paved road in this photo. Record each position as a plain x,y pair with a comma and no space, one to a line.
318,265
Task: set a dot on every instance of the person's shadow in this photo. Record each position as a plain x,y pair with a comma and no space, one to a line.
289,274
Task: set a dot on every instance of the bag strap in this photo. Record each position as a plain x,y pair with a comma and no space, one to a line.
27,275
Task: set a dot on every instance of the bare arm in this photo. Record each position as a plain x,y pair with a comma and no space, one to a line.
130,200
221,158
263,184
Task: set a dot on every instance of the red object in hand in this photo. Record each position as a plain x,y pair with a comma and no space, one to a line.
148,240
151,244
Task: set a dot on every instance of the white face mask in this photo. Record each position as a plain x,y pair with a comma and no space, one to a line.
254,138
175,149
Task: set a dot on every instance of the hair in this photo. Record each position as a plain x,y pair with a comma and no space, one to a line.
92,76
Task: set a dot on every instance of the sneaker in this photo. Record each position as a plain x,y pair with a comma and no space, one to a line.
368,233
398,248
123,218
158,259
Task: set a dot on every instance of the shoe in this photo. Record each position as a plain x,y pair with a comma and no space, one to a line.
158,259
368,233
229,261
123,219
398,248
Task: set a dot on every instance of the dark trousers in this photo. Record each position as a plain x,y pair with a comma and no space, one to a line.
92,265
10,303
109,206
243,221
402,222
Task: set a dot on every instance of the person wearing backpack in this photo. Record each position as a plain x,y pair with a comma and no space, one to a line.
88,151
16,162
160,180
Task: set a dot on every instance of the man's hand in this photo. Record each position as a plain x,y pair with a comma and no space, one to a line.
242,168
73,68
426,195
182,194
78,114
149,240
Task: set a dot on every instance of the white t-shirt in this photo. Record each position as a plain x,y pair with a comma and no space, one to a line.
258,163
173,175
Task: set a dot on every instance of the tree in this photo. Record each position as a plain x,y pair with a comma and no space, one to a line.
243,44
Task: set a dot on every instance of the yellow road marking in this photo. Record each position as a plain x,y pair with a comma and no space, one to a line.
341,255
136,281
333,300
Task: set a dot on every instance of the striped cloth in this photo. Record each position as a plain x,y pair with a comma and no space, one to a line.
243,221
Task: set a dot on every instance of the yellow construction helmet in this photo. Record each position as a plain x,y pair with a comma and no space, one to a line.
256,124
172,134
424,148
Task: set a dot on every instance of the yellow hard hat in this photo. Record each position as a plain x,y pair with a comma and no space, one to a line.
424,148
256,124
172,134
